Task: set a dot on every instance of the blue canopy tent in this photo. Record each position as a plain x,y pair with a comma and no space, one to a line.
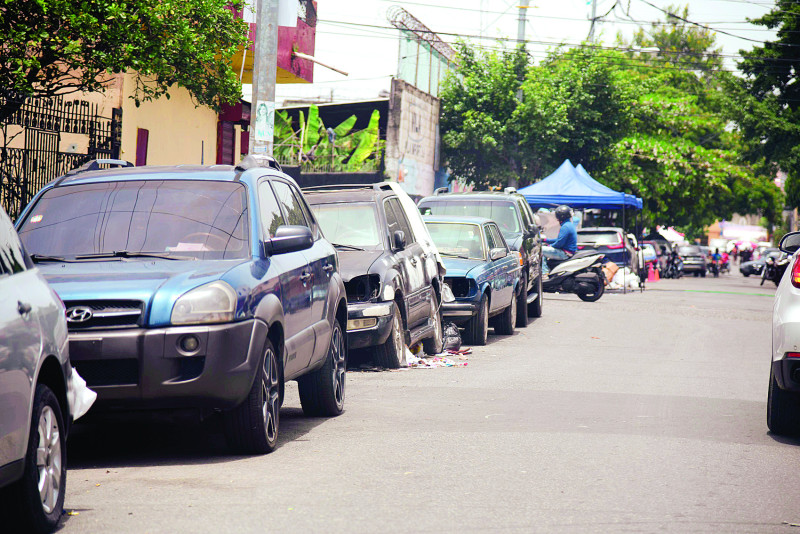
575,188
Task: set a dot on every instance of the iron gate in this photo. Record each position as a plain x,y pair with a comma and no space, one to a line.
30,149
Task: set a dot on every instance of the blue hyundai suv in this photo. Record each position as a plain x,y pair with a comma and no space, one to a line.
194,288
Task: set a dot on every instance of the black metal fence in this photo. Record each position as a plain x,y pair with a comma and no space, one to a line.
30,149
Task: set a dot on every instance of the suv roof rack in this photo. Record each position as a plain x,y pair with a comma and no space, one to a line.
252,161
378,186
94,165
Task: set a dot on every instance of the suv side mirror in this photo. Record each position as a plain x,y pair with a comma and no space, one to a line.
399,240
289,239
497,253
790,243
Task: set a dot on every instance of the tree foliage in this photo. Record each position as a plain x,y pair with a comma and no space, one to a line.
658,125
54,47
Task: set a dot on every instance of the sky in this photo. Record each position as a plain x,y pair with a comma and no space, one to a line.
355,35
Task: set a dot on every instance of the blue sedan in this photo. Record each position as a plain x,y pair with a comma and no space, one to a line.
482,272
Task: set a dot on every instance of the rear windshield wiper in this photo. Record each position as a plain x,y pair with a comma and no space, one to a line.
348,247
129,254
42,258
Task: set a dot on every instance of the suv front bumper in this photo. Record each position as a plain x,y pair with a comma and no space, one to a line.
459,311
374,335
146,368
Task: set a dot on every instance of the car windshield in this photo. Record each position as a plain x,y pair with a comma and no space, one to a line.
460,240
599,238
197,219
353,224
683,251
504,213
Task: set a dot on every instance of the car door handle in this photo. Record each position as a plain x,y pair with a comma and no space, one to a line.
328,268
23,308
305,277
414,262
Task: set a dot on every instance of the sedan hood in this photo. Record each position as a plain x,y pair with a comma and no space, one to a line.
460,267
354,263
132,280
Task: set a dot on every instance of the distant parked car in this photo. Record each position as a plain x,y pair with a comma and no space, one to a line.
196,289
35,377
393,286
694,259
783,398
613,242
516,222
482,272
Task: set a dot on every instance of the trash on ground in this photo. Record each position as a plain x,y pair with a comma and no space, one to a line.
624,279
609,270
452,338
432,362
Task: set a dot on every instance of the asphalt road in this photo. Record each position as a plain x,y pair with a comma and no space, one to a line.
642,412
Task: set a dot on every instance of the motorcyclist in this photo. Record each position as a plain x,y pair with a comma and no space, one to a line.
566,244
716,262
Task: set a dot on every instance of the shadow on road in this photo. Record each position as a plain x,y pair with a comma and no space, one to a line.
786,440
150,442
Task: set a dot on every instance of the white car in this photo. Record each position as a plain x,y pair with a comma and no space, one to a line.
783,401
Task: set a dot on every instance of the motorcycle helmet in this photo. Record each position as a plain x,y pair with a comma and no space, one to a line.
563,213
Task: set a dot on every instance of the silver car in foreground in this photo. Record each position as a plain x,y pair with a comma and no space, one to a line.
35,378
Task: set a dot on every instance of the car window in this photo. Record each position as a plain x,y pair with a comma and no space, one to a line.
400,214
460,240
526,217
350,223
271,216
599,238
498,238
203,219
503,212
12,258
490,242
301,201
293,212
391,219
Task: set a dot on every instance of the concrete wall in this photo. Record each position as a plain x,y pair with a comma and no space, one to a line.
177,128
411,138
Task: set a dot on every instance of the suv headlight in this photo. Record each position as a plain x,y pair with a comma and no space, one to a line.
210,303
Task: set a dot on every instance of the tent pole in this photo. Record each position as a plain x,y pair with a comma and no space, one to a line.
624,231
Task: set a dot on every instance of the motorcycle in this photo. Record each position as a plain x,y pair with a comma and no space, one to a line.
672,267
582,274
774,267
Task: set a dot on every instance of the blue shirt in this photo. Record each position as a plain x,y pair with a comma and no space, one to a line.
567,238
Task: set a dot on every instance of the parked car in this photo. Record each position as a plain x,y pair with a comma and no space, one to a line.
484,274
516,222
756,267
35,377
694,259
649,253
613,242
393,286
783,397
195,288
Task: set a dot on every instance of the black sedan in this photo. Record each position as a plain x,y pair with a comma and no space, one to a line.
756,267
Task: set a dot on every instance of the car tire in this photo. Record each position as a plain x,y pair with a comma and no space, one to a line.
435,344
783,409
26,509
522,303
477,330
322,391
535,307
746,274
252,427
703,273
508,319
593,297
391,353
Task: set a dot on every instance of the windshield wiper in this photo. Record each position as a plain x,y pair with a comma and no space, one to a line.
41,258
460,257
348,247
129,254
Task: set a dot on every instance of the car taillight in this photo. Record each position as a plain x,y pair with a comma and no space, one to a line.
793,355
619,245
796,272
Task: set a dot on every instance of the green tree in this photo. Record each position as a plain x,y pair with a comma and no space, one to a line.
55,47
768,110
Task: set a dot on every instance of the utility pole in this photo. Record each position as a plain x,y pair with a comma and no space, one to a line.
523,9
265,73
590,38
